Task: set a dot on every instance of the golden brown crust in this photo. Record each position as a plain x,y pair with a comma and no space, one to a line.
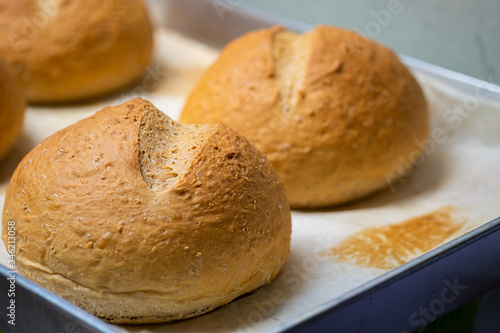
335,128
91,229
12,108
66,50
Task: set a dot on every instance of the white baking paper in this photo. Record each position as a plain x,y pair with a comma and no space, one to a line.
460,168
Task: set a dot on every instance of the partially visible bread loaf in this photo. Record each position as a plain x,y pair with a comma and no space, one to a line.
337,115
67,50
139,219
12,108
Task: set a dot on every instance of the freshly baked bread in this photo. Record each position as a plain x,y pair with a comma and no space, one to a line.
67,50
12,107
337,115
139,219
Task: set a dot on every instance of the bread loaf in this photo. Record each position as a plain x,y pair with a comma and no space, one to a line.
69,50
12,108
139,219
338,115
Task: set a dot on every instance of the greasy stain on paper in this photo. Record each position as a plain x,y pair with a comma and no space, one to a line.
390,246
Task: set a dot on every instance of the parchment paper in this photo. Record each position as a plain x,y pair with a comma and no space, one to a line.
460,167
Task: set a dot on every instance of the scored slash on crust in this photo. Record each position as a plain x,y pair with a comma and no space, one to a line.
290,58
292,54
178,144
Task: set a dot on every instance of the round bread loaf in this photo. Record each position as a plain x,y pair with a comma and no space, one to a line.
68,50
337,114
12,108
139,219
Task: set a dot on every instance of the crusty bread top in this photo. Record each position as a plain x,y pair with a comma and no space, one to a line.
333,111
12,108
109,204
70,50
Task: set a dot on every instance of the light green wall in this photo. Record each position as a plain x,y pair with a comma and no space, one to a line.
462,35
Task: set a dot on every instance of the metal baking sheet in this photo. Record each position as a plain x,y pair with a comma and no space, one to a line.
396,301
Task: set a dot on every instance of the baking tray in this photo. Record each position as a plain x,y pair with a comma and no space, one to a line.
392,302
